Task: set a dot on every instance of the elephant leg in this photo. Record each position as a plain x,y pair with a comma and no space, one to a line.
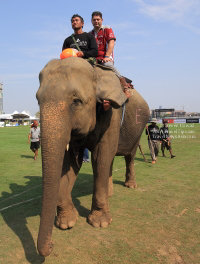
110,184
102,158
130,181
67,215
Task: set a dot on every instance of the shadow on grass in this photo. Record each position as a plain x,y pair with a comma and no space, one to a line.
82,187
119,182
139,159
27,156
16,217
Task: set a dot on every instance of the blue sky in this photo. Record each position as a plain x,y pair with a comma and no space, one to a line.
158,47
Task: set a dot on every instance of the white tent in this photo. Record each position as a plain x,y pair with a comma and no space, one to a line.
5,116
16,115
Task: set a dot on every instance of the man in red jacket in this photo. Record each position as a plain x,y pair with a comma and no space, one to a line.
105,39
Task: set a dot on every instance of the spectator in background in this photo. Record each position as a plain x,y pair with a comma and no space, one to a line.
165,139
35,138
153,139
86,155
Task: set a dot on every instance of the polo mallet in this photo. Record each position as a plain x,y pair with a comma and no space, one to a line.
140,147
150,141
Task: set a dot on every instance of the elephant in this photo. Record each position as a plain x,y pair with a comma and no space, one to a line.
71,118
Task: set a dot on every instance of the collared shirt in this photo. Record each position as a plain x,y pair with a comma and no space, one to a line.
103,36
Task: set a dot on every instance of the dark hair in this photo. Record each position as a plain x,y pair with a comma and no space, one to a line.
165,121
97,13
76,15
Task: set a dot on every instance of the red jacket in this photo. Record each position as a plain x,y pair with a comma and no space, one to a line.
104,35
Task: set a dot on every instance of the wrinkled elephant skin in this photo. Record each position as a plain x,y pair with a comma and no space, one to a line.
68,95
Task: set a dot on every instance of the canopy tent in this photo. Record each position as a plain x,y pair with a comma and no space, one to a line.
5,117
18,116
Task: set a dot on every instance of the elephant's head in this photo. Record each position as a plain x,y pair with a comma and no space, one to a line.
67,97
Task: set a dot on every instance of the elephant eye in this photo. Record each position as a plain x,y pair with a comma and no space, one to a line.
77,101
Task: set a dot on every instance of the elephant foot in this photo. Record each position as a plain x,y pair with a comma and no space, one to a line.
99,218
66,219
130,184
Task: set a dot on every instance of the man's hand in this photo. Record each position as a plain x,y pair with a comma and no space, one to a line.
80,54
106,59
146,126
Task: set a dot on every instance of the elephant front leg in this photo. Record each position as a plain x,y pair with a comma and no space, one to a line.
67,215
100,214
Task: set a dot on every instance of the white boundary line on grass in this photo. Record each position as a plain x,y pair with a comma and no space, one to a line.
40,195
19,203
20,193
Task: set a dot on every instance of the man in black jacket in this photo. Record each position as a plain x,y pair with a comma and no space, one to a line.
153,139
85,41
165,138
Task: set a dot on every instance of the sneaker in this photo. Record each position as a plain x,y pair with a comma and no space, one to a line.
172,156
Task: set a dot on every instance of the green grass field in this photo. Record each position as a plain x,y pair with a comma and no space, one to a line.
158,222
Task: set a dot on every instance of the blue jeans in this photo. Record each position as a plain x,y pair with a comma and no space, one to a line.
86,154
110,64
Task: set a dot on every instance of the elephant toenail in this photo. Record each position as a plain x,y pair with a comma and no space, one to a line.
63,226
95,224
72,223
104,224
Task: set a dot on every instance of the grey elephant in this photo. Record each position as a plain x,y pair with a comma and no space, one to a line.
69,96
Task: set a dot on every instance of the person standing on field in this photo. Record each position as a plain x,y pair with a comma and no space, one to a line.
165,139
153,139
35,138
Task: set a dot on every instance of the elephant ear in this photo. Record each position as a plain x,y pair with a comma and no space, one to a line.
109,87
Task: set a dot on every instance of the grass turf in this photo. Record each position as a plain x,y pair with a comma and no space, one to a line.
158,222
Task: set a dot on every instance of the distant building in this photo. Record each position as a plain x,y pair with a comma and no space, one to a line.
179,113
192,114
1,98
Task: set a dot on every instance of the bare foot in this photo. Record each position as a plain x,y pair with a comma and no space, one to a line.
106,105
127,92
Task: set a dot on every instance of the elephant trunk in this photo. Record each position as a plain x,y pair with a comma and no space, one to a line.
54,138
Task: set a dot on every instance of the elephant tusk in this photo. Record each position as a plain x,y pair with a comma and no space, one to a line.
67,147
